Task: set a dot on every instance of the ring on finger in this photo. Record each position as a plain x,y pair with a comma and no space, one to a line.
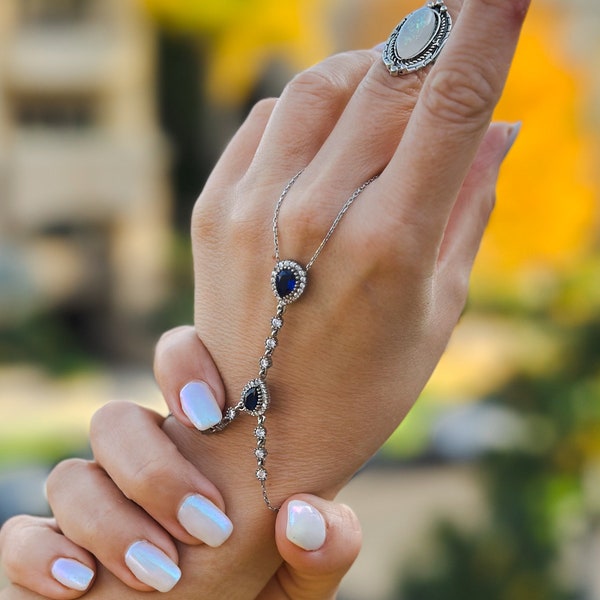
418,39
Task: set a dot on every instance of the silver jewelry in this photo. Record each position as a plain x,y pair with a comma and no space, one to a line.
288,282
418,39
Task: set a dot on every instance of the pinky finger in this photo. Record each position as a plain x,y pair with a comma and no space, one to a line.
36,556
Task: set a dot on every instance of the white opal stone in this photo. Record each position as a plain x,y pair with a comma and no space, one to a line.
416,33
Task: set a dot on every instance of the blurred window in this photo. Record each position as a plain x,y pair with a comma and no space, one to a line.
56,12
64,113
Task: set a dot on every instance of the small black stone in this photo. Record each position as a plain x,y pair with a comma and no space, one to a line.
285,282
251,398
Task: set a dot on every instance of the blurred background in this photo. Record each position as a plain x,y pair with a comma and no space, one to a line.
112,113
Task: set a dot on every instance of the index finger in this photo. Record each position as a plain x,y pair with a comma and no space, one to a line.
452,114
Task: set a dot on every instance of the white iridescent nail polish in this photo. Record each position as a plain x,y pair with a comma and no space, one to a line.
152,566
200,405
202,519
305,526
72,574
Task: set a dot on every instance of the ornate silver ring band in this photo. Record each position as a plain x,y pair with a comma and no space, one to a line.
418,39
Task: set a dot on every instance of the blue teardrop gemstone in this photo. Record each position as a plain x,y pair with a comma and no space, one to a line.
251,398
285,282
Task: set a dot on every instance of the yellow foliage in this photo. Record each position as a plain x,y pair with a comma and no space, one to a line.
546,211
245,35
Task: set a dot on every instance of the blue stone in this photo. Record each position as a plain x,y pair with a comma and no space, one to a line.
251,398
285,282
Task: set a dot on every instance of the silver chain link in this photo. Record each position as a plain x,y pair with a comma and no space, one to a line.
265,362
357,192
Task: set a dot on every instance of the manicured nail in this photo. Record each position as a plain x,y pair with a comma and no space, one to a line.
202,519
152,566
200,405
513,133
305,526
72,574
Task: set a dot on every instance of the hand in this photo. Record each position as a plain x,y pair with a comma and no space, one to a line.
105,506
33,547
383,297
386,292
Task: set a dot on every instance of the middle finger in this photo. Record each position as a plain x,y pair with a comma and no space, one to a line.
363,140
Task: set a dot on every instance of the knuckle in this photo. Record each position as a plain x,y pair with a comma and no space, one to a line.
457,291
92,523
262,109
329,81
351,525
105,418
461,288
385,90
315,87
205,217
400,246
60,474
168,341
460,94
7,531
248,219
12,556
304,221
154,474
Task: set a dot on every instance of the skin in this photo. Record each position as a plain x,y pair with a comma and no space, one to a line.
382,299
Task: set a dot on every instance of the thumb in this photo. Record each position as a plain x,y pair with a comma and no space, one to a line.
319,541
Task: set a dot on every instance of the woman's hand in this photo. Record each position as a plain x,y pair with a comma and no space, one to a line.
383,297
386,292
124,507
318,541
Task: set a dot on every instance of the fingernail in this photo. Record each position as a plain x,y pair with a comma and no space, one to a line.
202,519
152,566
305,526
200,405
513,133
72,574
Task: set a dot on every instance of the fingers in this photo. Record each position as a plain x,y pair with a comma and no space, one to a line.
319,541
123,507
92,512
452,114
307,111
473,208
36,556
188,378
156,476
241,149
471,214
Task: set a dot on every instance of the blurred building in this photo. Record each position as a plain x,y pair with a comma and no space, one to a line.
84,192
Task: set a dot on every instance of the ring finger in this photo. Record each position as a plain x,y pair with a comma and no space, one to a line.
365,136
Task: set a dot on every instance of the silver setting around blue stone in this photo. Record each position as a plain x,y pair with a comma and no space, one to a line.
419,38
288,281
254,398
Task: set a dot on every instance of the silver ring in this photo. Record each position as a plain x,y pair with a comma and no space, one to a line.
418,39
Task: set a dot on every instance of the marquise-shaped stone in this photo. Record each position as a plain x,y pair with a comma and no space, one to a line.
416,33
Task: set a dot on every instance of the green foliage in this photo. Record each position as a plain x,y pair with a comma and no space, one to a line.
531,490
